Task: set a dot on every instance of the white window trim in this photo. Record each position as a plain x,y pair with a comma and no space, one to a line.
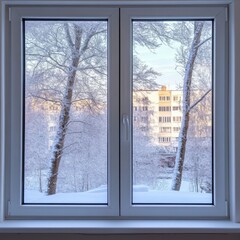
234,110
15,208
219,209
133,226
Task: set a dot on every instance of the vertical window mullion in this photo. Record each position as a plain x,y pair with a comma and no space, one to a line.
125,111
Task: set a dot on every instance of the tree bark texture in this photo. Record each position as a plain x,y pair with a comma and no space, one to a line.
180,155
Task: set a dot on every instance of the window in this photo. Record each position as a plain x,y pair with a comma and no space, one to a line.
177,119
165,129
164,98
164,139
176,129
137,167
164,119
176,108
177,98
36,35
81,55
165,109
49,82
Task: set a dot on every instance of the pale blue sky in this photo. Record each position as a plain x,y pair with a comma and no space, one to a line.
163,61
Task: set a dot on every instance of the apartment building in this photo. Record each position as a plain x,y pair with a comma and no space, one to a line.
158,113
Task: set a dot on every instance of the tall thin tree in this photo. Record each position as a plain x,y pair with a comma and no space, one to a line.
186,107
78,47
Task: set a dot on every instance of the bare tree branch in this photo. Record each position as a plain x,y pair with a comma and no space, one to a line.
201,43
72,133
78,121
69,39
199,100
45,99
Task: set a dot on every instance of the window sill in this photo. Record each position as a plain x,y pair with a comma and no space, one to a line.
119,226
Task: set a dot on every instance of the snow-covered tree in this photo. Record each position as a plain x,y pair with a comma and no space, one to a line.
192,41
84,161
72,57
66,63
187,104
36,143
198,159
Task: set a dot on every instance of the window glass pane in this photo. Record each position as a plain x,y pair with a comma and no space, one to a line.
65,112
172,112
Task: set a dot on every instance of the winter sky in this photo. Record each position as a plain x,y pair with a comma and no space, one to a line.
163,61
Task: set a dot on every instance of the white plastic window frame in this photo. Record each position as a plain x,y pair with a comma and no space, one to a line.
14,104
220,106
234,110
234,89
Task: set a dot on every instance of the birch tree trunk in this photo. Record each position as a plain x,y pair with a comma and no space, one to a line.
65,108
178,170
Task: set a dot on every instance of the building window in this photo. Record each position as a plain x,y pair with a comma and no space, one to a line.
177,98
164,139
177,119
164,98
176,108
165,109
72,54
164,119
165,129
176,129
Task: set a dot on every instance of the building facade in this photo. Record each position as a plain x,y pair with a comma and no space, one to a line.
158,113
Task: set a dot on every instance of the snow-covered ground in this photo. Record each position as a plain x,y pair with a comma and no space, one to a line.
169,197
141,194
